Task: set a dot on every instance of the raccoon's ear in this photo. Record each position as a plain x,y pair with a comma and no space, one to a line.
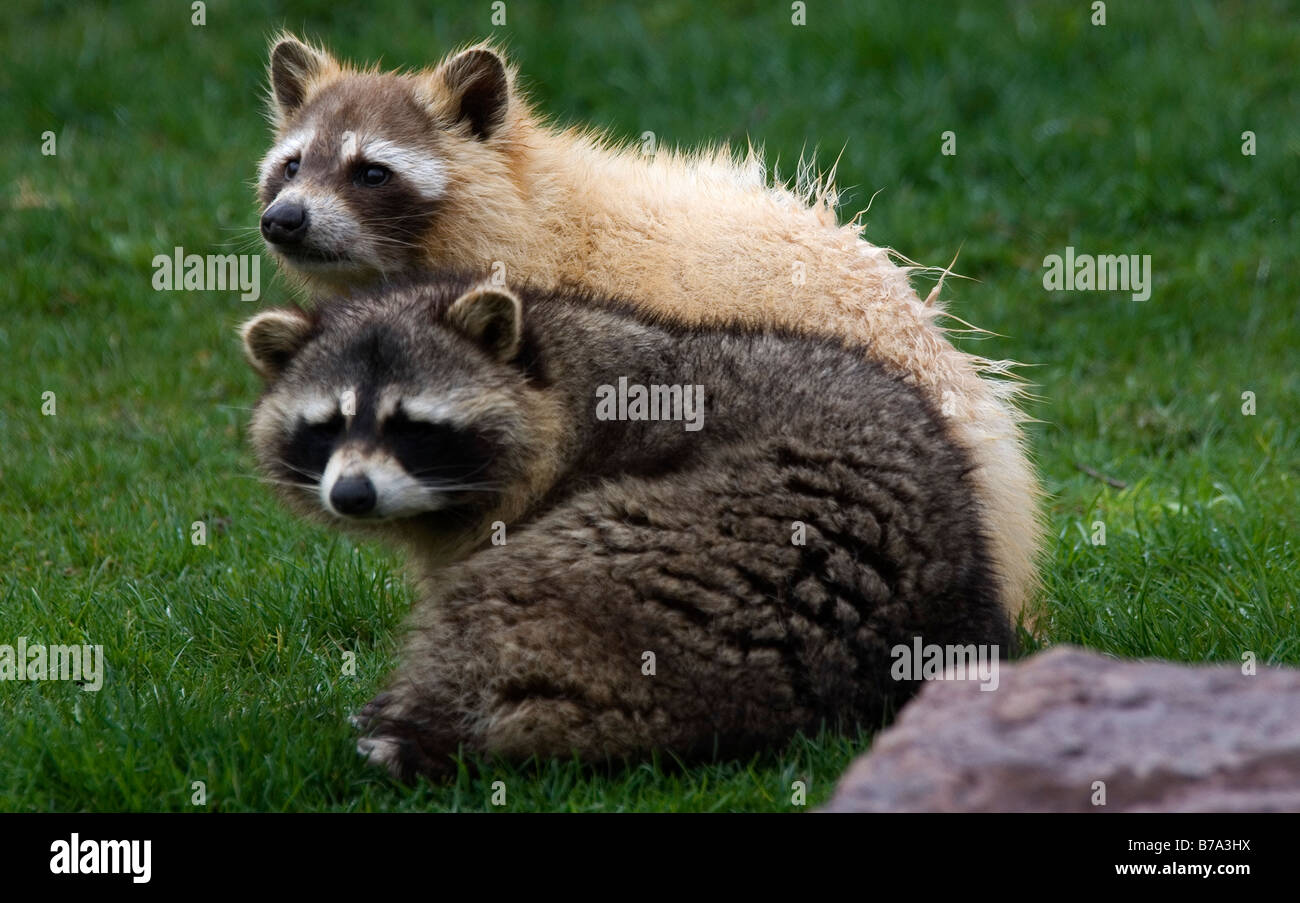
294,66
478,90
272,338
491,317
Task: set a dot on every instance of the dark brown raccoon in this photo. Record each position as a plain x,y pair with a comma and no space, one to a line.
731,558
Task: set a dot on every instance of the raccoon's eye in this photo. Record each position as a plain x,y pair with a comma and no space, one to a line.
438,452
373,176
290,169
401,427
326,430
308,449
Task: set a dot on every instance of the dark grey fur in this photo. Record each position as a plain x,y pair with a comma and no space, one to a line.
655,539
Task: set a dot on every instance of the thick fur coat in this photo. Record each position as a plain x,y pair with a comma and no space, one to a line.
479,181
658,587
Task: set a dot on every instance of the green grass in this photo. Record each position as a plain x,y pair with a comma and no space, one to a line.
224,659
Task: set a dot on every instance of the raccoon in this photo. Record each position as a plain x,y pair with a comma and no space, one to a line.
600,575
375,174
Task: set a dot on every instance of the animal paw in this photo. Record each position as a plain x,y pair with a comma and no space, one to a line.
362,719
401,743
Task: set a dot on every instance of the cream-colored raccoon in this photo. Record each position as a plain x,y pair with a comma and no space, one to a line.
374,174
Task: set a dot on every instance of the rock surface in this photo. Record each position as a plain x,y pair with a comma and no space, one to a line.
1162,737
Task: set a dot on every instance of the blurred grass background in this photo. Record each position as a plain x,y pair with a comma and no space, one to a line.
224,659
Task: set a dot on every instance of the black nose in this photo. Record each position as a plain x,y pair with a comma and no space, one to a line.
353,495
284,223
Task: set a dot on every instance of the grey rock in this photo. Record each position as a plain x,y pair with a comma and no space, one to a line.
1162,737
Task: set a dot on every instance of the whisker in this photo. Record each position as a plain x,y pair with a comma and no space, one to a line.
434,470
465,487
310,475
